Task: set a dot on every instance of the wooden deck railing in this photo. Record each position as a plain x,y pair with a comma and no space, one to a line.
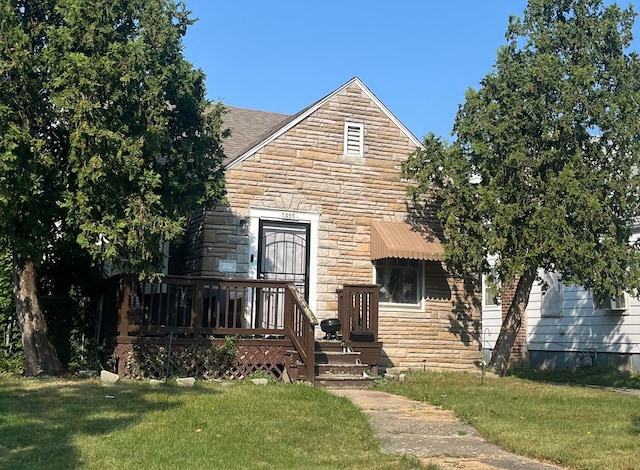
193,307
358,312
299,325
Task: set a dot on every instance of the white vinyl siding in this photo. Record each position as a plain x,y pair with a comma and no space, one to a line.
580,326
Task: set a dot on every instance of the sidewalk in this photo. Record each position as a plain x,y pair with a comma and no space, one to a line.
436,436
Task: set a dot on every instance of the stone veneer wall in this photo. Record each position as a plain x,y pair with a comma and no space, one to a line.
305,170
214,235
443,334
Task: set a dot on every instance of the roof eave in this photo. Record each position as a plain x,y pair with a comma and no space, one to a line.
310,110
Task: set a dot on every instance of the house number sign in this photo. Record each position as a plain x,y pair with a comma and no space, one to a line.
288,215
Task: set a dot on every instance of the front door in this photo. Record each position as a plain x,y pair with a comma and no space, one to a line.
283,253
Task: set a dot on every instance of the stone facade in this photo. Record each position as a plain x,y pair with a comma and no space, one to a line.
303,174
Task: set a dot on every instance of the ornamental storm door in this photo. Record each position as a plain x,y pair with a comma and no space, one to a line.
283,255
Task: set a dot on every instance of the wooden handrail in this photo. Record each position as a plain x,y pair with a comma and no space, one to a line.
358,309
195,307
300,323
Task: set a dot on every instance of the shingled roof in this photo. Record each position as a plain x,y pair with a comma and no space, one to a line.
247,127
255,129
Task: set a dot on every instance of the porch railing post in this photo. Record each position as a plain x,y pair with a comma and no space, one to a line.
310,346
373,310
197,307
124,300
342,312
358,309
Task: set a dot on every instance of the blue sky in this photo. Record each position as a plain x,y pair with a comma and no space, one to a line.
417,56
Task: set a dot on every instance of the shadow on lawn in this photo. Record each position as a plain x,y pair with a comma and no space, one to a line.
635,425
40,419
595,376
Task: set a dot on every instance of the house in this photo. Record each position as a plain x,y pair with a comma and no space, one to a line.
316,226
566,327
317,199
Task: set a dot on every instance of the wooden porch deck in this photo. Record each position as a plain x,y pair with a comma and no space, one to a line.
274,326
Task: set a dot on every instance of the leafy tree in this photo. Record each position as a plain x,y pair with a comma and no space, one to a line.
543,169
103,131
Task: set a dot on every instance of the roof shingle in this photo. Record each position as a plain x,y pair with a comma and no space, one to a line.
247,126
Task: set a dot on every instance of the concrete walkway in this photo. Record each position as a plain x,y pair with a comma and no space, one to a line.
434,435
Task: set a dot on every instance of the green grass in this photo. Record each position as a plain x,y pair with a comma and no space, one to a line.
595,376
59,424
576,427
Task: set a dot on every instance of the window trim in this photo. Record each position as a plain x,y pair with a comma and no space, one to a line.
555,278
420,283
485,297
350,134
606,305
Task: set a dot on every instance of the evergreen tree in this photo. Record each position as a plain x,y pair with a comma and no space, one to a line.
103,130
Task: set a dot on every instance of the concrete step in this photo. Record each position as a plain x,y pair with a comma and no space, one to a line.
343,381
329,357
329,345
341,369
335,366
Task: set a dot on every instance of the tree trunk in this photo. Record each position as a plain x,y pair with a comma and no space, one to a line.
512,323
40,355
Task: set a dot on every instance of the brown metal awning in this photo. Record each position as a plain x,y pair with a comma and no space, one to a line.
401,240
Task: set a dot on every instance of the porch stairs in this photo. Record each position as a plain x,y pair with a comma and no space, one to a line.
336,366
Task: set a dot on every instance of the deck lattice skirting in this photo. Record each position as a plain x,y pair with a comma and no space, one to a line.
151,324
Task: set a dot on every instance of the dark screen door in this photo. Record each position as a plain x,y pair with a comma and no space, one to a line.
283,253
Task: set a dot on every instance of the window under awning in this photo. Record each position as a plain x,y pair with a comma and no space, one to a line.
401,240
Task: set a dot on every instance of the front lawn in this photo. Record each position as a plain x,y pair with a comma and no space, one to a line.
84,424
574,426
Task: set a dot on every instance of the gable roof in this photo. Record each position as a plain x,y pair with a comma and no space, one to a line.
247,126
284,125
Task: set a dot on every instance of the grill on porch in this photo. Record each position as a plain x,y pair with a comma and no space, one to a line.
274,326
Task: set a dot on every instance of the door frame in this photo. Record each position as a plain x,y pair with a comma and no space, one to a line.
303,227
284,215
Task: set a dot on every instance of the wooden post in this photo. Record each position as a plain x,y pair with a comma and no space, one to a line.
342,314
197,307
358,309
124,300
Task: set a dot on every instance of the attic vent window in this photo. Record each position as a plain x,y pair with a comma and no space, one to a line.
353,139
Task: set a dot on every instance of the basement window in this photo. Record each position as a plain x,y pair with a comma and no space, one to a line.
353,139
